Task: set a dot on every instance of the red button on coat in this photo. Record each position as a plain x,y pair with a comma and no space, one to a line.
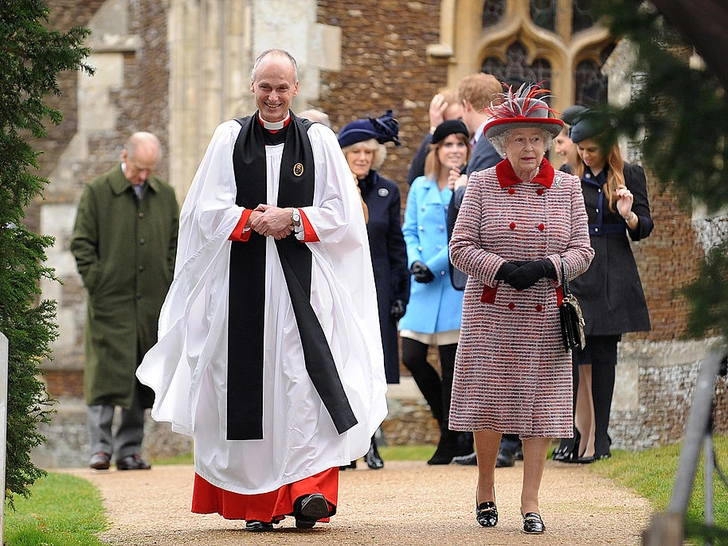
513,225
539,191
539,307
511,306
511,190
541,227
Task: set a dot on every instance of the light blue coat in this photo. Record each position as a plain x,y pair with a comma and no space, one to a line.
435,306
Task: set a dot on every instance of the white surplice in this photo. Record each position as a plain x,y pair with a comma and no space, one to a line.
187,368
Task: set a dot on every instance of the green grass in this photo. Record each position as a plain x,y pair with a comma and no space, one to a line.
66,510
63,510
651,474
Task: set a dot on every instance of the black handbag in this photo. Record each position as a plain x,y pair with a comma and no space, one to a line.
572,321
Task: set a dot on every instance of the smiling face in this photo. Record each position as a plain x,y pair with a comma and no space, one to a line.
274,87
525,149
360,157
453,151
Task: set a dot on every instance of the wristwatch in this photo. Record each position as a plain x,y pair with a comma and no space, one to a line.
296,218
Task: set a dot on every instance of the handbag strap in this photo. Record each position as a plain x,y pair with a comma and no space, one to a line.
564,279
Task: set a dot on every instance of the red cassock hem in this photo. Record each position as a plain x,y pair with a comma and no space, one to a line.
271,506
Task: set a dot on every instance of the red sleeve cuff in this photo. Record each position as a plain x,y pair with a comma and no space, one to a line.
239,233
309,234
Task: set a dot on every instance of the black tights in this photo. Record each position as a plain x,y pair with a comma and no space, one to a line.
436,391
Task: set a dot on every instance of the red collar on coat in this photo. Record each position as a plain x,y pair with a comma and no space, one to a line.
507,176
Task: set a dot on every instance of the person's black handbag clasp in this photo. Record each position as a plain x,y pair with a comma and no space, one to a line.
572,320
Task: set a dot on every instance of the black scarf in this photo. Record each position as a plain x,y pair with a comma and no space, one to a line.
247,284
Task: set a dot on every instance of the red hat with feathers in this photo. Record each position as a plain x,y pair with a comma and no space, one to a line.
522,108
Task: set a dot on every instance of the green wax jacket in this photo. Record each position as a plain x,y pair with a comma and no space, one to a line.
124,249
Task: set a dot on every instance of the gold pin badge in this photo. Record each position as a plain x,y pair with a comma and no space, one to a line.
298,169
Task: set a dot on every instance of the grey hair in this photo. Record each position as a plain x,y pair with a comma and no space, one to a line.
380,151
267,52
500,141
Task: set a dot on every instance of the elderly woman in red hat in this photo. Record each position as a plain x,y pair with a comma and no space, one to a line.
520,225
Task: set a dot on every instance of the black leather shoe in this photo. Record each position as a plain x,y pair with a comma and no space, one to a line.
100,461
372,458
505,459
486,514
255,526
132,462
351,465
466,460
533,524
309,509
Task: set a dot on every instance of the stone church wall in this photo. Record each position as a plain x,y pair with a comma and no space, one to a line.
383,65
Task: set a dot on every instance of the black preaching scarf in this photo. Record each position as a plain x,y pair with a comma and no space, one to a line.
247,284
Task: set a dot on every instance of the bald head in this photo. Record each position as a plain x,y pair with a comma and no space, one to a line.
140,156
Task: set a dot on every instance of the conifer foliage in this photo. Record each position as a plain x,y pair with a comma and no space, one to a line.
31,57
682,111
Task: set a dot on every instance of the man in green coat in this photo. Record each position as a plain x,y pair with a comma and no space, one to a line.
124,242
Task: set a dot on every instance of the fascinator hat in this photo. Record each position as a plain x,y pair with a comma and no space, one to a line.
383,129
585,123
521,108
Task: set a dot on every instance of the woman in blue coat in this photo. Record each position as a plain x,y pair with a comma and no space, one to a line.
435,307
362,142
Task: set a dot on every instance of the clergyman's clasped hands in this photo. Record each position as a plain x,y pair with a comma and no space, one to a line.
524,274
271,221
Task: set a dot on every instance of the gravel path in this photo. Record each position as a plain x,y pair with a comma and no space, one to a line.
406,503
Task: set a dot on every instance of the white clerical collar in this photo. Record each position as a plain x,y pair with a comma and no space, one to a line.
276,125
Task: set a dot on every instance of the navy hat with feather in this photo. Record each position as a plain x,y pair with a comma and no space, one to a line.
383,129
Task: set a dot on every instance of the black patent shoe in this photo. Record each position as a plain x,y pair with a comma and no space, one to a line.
486,514
372,458
255,526
533,524
309,509
351,465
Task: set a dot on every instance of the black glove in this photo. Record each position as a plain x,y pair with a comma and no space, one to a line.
397,310
506,269
421,272
529,273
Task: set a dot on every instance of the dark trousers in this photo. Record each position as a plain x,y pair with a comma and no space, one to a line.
601,353
437,391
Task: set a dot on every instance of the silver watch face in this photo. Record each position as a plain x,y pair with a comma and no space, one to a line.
296,217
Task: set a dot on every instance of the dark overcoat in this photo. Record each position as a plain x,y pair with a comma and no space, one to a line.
124,249
389,260
610,292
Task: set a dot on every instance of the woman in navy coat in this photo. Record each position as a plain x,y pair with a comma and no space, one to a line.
610,292
362,142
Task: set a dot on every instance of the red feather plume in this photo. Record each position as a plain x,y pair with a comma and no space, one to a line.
520,103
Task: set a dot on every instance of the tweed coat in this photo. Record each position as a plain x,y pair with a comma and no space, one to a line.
512,374
610,292
389,260
435,306
125,250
